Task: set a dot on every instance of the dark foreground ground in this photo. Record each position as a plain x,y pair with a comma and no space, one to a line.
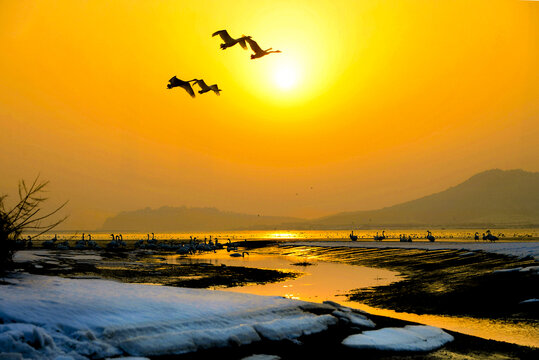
434,282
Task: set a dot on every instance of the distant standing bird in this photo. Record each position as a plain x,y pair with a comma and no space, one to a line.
204,88
490,237
230,41
258,52
174,82
238,254
381,237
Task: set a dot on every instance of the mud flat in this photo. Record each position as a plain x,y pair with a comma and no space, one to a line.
443,281
139,266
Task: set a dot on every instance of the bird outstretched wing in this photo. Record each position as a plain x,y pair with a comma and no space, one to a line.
242,41
189,89
254,46
202,84
215,89
224,35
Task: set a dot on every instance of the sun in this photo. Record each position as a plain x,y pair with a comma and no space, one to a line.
286,77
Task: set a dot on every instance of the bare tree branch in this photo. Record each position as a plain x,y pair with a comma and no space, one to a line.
24,216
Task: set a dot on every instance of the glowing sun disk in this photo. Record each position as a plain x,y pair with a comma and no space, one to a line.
285,77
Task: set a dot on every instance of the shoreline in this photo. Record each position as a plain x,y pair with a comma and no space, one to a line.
463,345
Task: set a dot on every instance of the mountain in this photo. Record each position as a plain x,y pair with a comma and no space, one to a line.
493,197
488,199
189,219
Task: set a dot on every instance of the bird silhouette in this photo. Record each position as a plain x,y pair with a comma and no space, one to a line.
238,254
258,52
174,82
204,88
381,237
230,41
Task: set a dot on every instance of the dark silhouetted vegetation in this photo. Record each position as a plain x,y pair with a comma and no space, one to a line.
26,215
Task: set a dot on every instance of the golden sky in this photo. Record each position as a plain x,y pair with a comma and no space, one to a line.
370,102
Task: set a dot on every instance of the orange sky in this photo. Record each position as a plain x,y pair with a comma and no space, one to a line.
386,101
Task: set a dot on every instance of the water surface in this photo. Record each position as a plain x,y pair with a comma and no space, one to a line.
523,234
335,279
332,281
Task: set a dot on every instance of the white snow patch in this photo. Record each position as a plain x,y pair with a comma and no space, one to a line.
262,357
344,308
354,319
295,326
519,249
408,338
46,317
42,255
531,269
502,271
31,255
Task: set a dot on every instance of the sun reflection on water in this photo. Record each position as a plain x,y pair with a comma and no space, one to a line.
282,235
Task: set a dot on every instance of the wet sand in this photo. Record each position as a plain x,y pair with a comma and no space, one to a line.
442,282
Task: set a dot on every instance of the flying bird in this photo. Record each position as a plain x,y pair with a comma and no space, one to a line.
204,88
229,41
258,52
174,82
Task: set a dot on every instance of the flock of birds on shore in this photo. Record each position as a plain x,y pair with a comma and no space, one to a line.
487,236
194,245
117,242
229,41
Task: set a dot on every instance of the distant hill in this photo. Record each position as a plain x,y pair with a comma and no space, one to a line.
494,197
189,219
491,198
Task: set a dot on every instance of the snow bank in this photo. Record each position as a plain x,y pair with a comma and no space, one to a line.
354,319
262,357
518,249
408,338
531,269
45,317
528,269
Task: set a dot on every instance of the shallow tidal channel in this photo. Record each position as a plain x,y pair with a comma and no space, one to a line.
323,280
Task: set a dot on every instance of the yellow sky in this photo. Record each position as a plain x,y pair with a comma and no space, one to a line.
386,101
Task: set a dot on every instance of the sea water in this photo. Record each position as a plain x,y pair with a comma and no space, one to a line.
521,234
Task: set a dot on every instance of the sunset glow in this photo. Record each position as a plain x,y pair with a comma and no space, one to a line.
358,91
286,77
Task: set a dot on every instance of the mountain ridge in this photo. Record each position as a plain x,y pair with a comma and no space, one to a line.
489,198
497,197
168,218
